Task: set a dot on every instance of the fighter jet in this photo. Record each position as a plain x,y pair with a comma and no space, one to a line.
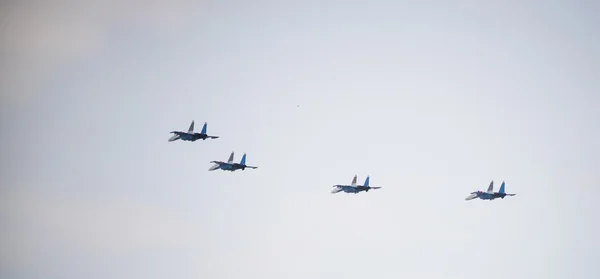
190,135
490,194
230,165
353,188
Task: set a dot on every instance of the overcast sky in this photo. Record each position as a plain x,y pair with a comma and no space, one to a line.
432,100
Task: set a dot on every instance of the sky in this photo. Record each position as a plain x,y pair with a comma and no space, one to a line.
432,99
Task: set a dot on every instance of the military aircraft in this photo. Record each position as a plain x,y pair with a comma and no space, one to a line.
230,165
489,194
353,188
190,135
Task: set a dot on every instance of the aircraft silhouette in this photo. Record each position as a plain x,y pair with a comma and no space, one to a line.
353,188
489,194
230,165
190,135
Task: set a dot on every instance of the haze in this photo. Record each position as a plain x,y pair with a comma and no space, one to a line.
432,100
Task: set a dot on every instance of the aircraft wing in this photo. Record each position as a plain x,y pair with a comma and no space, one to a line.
174,137
354,181
214,167
491,188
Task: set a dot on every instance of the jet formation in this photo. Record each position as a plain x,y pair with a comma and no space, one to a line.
190,135
489,194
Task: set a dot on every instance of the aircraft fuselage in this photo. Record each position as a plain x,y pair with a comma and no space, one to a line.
350,189
232,167
192,137
486,196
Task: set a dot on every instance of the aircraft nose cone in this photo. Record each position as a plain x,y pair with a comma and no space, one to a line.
471,196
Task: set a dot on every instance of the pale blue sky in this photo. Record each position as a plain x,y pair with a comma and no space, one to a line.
433,100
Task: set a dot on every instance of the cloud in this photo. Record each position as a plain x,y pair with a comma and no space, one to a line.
40,229
40,40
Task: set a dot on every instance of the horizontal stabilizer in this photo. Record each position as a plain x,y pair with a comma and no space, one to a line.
216,166
174,137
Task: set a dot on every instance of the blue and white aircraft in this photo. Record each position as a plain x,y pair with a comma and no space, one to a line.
489,194
230,165
353,188
190,135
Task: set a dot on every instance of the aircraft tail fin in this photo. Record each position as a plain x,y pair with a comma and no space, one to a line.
354,181
502,188
490,188
243,161
204,129
367,181
230,160
191,128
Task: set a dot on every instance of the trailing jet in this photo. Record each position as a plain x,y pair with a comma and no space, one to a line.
230,165
353,188
489,194
190,135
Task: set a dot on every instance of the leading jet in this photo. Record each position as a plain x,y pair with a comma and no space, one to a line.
190,135
230,165
353,188
489,194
